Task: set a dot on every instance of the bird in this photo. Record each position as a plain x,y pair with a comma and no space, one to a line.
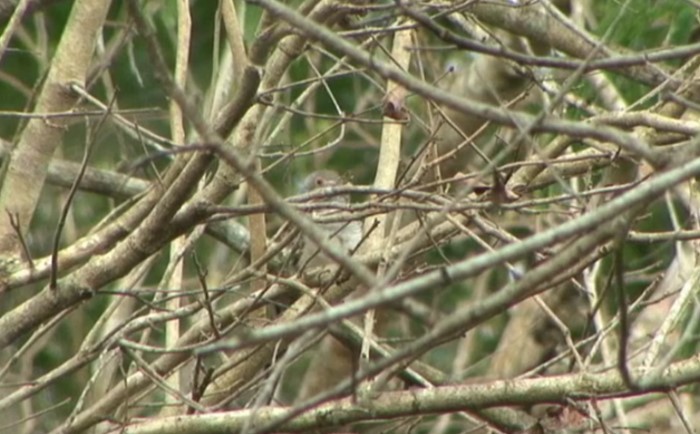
333,361
344,234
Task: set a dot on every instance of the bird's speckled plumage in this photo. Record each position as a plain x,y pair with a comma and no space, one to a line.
345,234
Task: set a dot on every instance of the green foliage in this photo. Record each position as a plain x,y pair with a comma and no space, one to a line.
645,24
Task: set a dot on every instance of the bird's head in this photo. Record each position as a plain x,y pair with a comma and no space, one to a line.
321,179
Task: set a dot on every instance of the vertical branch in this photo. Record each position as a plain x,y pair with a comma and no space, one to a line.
184,27
258,232
29,162
177,130
234,34
256,222
387,166
233,63
15,19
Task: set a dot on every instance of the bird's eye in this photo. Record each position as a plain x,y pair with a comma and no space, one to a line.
319,181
